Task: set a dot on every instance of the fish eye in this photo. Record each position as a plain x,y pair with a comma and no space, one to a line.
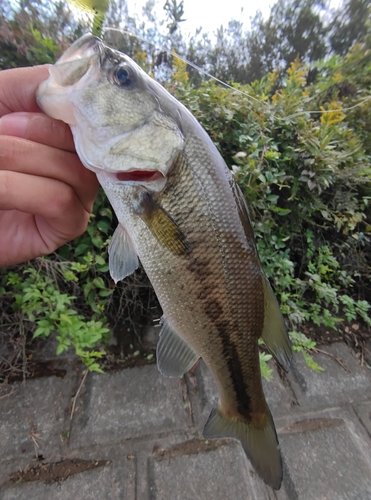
123,76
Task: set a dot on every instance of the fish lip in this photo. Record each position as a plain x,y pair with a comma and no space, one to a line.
83,44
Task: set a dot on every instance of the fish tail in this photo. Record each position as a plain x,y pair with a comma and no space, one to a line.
260,444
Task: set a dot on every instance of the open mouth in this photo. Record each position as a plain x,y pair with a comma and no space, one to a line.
139,176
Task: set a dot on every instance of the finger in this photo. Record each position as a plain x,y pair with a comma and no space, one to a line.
62,216
38,127
20,155
18,88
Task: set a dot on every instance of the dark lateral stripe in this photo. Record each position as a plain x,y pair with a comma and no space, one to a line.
244,405
230,354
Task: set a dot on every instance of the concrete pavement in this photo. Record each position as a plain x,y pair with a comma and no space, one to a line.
140,435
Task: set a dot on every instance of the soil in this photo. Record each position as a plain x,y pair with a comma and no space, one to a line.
133,343
355,335
55,472
190,447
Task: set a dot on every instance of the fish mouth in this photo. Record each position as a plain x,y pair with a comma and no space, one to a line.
139,176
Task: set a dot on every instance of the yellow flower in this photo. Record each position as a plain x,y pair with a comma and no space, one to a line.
333,114
273,78
180,74
297,75
140,57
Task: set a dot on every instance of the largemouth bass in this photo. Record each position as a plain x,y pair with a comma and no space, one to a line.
181,213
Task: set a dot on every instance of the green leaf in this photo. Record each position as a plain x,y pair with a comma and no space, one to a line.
104,226
97,241
81,249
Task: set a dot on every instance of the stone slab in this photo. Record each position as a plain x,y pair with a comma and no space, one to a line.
280,398
33,417
363,412
368,353
115,481
323,461
219,473
335,385
208,388
128,404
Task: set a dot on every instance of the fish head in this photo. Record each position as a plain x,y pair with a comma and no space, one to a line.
121,119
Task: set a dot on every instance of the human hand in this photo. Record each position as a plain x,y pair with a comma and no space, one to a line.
46,194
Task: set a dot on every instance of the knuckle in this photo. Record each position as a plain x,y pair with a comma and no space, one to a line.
60,134
64,200
66,205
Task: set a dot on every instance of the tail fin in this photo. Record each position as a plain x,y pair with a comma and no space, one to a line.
260,445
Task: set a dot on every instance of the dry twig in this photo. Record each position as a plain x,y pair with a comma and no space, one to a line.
336,358
77,394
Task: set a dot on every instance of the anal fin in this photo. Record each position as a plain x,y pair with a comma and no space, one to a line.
260,444
122,257
274,334
174,356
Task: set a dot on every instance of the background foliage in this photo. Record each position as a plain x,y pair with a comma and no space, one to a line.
295,128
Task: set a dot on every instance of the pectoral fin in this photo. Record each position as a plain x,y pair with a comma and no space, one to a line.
274,332
174,356
123,259
162,226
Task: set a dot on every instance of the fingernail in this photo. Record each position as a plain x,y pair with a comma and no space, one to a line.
13,124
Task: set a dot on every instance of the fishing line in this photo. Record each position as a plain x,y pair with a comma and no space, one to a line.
194,66
227,85
323,111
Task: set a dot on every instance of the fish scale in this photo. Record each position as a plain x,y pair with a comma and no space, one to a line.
181,214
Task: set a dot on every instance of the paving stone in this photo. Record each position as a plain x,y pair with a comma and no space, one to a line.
115,481
335,385
323,461
368,353
280,399
219,473
363,412
207,393
203,395
141,422
33,417
127,404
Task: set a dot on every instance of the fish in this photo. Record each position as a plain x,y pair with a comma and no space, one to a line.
181,215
